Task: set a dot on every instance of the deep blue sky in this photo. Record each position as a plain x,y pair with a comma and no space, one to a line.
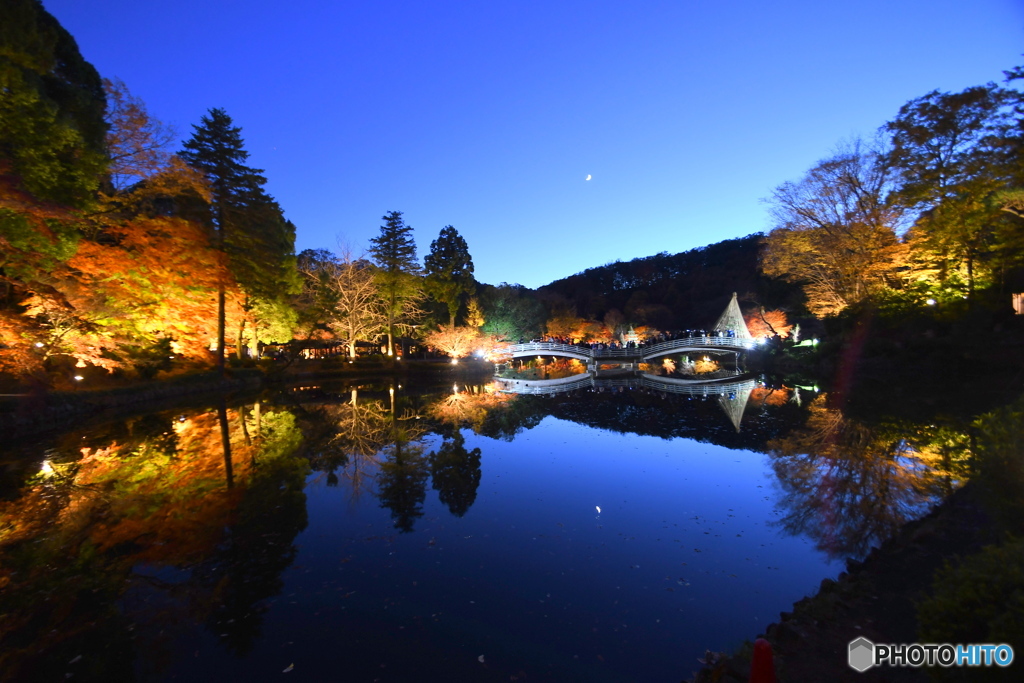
490,115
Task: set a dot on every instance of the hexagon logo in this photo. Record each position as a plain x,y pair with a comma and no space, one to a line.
862,654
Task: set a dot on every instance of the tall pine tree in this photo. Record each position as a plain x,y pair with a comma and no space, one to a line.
255,241
394,253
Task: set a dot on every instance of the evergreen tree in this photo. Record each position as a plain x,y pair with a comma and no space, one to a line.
255,240
51,108
511,312
394,253
449,270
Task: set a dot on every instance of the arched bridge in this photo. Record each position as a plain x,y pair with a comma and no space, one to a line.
730,335
640,354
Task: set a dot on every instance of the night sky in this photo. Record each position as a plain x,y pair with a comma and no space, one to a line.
489,116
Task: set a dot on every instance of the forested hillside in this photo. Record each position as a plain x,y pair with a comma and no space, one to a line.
674,291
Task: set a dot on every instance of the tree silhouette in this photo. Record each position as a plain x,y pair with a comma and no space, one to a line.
455,473
394,252
449,271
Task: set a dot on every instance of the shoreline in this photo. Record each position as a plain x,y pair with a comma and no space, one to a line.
27,416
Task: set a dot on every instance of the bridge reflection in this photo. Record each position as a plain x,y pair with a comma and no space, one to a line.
732,392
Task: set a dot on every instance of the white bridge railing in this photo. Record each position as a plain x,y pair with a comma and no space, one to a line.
641,352
727,387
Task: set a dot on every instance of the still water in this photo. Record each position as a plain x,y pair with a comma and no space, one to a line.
395,533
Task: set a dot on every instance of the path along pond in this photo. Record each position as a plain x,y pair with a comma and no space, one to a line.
383,532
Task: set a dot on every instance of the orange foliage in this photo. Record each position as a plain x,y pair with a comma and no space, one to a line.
770,397
160,277
578,330
454,341
468,407
763,324
186,505
179,501
16,345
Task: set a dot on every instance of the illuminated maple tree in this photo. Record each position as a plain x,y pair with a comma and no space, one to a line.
764,324
456,342
836,230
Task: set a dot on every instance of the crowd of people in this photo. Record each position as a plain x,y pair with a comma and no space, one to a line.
627,341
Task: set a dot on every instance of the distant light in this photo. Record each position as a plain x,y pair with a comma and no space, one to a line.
39,345
598,509
455,361
79,378
46,469
930,302
814,342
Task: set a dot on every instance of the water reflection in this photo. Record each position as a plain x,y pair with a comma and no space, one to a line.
109,514
128,538
455,472
732,394
849,485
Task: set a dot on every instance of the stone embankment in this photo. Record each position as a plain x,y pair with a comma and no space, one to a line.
875,598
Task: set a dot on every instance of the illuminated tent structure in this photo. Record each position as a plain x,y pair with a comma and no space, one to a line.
734,403
731,320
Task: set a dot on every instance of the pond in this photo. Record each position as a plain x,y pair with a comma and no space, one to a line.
607,532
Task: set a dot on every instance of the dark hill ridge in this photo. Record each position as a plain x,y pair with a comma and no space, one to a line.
674,291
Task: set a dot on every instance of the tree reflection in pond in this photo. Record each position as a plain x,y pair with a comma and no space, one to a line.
101,522
374,444
127,544
848,485
468,407
403,482
348,437
455,472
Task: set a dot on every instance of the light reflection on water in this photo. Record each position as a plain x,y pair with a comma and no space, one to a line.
404,536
